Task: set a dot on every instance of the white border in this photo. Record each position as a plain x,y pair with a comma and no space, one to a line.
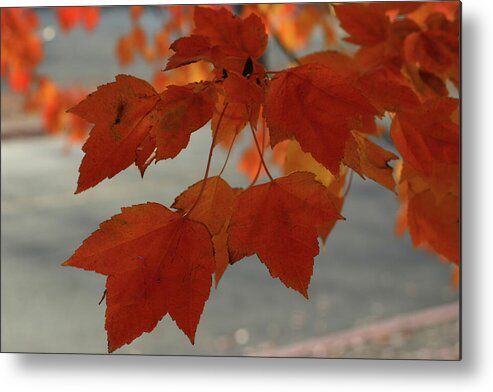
87,373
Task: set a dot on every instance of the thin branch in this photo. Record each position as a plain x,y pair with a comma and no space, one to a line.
103,297
229,153
260,153
260,162
209,160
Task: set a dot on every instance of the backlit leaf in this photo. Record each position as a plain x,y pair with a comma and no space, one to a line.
278,221
157,262
317,106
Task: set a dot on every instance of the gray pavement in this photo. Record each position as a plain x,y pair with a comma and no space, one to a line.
364,274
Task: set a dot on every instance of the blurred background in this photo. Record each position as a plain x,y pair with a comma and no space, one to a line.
363,277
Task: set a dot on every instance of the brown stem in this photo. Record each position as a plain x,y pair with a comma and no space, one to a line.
209,160
257,174
260,153
260,162
229,153
103,297
330,8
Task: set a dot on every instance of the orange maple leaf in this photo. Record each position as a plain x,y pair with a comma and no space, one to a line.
157,262
117,110
297,160
128,129
212,205
222,39
368,159
435,223
366,24
317,118
317,106
427,134
278,221
181,111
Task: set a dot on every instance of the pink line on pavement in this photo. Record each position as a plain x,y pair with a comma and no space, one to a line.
342,340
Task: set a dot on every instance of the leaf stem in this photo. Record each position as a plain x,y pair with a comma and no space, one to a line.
260,153
229,153
260,162
103,297
209,160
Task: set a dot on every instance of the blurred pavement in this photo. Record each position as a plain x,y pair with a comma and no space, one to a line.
364,274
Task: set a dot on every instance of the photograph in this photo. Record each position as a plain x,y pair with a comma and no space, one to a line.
232,180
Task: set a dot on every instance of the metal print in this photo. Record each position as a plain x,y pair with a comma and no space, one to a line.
258,179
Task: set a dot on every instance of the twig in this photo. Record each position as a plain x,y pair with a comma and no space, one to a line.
209,160
229,153
102,298
260,153
260,162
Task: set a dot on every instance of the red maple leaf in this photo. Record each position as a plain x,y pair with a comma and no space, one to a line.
317,106
278,221
157,262
319,119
